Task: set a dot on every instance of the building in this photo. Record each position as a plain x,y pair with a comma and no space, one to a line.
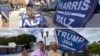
18,1
7,50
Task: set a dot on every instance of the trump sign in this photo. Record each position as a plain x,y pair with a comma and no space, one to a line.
69,40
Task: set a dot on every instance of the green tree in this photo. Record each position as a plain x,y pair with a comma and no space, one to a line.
0,1
94,48
20,39
9,1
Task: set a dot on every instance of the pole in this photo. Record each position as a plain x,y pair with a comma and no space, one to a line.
45,42
44,38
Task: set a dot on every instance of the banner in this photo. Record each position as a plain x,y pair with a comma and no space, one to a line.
69,40
74,13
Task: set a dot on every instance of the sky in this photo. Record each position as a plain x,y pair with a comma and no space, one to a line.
91,34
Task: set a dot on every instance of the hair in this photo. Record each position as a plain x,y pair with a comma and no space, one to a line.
40,42
5,1
52,42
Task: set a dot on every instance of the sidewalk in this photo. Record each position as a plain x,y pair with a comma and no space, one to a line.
14,18
18,54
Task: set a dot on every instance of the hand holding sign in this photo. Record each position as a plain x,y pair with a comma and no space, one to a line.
70,40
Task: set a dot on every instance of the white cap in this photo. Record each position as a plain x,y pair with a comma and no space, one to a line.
26,1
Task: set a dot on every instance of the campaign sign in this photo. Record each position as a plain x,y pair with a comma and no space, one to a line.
69,40
74,13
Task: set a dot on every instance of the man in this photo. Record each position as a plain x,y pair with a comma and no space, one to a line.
54,50
31,19
41,51
4,9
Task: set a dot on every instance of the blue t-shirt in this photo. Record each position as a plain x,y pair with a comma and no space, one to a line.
5,9
38,21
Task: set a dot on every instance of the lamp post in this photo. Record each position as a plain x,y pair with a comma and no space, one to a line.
44,36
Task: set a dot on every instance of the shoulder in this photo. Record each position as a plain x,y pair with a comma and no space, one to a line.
24,12
58,51
37,15
50,52
34,52
1,6
24,15
46,51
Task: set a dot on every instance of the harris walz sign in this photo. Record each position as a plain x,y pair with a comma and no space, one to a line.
74,13
69,40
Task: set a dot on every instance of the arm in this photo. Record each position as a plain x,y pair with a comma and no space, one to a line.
20,24
4,14
44,22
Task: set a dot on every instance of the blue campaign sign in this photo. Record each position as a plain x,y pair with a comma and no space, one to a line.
38,21
74,13
69,40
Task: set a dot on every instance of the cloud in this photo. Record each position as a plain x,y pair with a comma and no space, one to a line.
37,33
91,34
13,32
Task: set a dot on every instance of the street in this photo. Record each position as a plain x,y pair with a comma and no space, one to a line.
18,54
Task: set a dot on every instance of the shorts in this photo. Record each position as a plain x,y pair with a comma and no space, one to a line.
3,17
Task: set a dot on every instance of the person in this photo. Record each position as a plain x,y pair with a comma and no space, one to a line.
54,50
41,51
24,53
31,19
4,9
12,6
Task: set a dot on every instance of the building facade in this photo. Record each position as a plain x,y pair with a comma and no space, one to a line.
18,1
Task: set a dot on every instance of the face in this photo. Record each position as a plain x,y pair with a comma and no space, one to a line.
41,46
30,12
54,46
